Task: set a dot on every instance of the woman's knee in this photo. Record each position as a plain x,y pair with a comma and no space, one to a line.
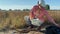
28,22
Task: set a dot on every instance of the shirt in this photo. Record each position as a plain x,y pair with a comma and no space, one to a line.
39,15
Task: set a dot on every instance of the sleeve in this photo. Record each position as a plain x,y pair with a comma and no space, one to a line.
47,15
31,15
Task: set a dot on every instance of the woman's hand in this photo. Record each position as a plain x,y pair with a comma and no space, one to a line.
58,25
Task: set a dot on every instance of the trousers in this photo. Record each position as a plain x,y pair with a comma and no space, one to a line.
52,30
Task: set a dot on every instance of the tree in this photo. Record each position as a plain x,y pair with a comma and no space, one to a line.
26,9
10,9
17,10
42,3
0,9
47,7
23,9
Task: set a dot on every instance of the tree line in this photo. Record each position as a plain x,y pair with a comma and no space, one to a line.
47,8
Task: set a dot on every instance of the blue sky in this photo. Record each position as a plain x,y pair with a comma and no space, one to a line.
23,4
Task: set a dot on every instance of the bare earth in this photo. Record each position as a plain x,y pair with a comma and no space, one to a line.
16,32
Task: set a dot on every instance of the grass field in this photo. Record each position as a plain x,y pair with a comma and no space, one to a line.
15,19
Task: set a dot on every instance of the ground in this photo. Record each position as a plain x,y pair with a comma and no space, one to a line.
16,32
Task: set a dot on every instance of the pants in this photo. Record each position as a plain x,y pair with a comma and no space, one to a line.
34,21
28,22
52,30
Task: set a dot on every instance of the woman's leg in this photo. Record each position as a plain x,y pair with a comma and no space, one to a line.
28,22
52,30
41,26
49,30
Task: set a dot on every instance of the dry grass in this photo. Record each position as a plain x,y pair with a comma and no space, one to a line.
16,19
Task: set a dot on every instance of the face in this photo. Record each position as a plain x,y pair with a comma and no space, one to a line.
38,11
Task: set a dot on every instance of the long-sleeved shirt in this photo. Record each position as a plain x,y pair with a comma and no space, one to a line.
41,15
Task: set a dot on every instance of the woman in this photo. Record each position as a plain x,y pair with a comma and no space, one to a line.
39,12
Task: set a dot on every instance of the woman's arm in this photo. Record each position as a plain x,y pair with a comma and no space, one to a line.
49,17
51,20
31,14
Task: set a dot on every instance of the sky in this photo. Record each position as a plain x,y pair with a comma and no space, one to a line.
26,4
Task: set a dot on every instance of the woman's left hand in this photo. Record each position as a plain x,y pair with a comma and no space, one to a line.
58,25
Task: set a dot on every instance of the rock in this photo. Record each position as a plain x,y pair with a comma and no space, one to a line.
34,32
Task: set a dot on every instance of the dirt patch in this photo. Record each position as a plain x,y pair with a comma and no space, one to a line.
16,32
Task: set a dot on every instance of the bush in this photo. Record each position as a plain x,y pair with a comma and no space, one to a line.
47,7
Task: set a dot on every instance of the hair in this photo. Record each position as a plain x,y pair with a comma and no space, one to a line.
35,8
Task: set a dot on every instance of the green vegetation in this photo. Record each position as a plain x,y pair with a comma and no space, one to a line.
47,7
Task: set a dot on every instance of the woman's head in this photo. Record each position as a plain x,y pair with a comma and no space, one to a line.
36,8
